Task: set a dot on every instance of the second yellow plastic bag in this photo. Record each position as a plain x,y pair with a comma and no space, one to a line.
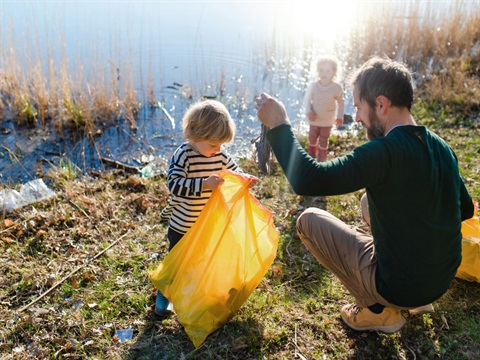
469,268
215,267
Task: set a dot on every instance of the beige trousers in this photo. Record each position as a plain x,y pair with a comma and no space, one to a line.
345,250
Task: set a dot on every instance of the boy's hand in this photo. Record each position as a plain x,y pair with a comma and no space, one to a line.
213,182
339,122
253,180
311,116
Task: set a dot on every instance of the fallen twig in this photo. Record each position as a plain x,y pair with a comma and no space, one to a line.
73,272
78,208
12,154
119,165
297,351
413,353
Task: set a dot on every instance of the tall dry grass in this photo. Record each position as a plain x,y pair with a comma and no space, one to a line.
442,48
16,98
151,96
37,86
80,96
131,104
425,38
103,91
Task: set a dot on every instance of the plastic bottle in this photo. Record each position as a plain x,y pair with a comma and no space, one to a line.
146,172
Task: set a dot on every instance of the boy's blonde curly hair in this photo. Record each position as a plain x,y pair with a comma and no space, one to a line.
208,120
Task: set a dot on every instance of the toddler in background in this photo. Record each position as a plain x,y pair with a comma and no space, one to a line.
192,174
324,106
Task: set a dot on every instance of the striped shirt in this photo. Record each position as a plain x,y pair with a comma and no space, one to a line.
186,174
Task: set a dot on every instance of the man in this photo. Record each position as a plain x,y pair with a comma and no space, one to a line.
415,195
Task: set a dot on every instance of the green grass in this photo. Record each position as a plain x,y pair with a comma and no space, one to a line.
294,310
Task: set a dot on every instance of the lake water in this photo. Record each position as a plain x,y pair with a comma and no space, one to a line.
232,50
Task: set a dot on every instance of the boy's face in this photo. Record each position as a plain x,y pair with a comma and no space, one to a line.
206,147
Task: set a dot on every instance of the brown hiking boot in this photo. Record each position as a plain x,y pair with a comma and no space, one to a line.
362,319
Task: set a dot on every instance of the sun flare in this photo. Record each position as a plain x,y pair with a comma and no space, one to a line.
323,21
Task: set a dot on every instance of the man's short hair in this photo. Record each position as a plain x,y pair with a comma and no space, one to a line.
383,76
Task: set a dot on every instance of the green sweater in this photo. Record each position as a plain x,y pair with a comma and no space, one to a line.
417,201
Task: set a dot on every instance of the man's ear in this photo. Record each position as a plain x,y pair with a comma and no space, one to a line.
383,103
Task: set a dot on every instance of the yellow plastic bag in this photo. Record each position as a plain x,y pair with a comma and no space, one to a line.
469,268
218,263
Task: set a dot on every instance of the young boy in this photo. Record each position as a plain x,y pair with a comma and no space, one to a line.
192,175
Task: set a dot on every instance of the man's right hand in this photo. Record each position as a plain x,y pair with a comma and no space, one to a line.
270,111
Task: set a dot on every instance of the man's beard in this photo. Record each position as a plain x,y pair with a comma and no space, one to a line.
375,129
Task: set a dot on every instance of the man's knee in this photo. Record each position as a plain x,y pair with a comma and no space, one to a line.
302,218
306,219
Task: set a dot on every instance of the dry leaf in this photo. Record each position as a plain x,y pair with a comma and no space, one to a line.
88,276
8,223
7,240
40,233
59,340
277,268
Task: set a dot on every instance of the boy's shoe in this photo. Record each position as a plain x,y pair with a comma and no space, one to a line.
163,306
388,321
426,309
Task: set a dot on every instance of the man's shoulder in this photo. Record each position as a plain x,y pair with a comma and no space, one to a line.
371,145
417,131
